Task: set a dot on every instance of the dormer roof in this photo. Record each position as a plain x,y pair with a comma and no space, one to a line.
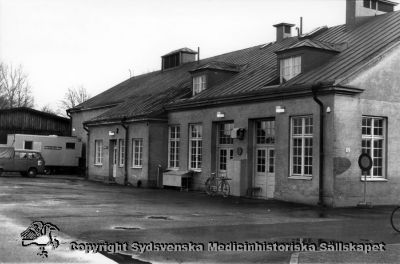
218,65
184,50
315,44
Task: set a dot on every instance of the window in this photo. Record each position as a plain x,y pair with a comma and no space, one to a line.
171,61
199,84
224,134
137,157
301,146
70,145
290,67
373,143
367,3
173,146
98,150
28,145
121,152
265,132
195,146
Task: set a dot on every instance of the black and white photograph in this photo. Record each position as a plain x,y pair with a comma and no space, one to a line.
200,131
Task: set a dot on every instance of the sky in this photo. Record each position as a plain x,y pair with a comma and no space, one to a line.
99,43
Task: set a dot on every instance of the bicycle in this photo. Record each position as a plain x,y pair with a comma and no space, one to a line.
216,185
395,219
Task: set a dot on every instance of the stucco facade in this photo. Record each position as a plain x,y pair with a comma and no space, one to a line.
308,107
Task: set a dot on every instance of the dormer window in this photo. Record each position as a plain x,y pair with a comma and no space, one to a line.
199,84
289,68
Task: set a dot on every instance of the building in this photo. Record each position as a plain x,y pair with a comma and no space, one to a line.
285,120
24,120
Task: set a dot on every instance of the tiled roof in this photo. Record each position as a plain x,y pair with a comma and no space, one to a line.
258,69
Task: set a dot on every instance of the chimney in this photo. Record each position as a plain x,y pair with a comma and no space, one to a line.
358,11
283,30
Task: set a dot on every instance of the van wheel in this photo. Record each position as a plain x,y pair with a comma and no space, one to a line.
32,172
47,171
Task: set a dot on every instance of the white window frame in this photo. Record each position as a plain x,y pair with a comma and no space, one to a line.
199,84
174,134
98,150
303,136
289,68
372,137
137,153
198,147
121,149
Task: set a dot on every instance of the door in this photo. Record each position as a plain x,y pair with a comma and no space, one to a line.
264,159
20,162
224,150
260,175
115,160
224,155
264,178
270,173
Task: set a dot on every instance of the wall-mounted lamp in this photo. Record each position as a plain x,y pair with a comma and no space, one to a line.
111,133
73,129
328,109
280,109
220,115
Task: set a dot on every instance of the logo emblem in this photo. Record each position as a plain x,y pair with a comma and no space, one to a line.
40,234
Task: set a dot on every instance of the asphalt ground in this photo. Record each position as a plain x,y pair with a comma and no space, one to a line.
91,212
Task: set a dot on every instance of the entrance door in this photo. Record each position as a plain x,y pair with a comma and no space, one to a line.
224,154
264,177
224,148
270,173
264,159
115,160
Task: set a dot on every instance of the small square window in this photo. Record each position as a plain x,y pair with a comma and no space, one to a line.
28,145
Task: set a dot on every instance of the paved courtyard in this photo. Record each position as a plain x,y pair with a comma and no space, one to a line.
91,212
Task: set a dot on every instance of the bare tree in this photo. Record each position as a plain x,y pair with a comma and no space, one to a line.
47,109
15,90
74,97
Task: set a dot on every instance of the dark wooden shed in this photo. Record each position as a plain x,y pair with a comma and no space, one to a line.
23,120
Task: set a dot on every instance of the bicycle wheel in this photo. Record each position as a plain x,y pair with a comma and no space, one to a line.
207,186
395,219
211,188
224,188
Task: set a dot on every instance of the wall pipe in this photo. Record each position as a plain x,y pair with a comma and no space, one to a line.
86,128
314,89
126,127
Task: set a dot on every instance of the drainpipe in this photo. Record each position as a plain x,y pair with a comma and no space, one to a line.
314,89
87,151
126,127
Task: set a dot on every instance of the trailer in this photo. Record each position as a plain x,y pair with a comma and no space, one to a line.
61,154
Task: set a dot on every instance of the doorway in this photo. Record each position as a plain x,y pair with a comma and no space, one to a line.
113,159
264,159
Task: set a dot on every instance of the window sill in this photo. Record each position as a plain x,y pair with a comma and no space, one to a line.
173,169
137,167
309,178
195,170
374,180
121,166
98,165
